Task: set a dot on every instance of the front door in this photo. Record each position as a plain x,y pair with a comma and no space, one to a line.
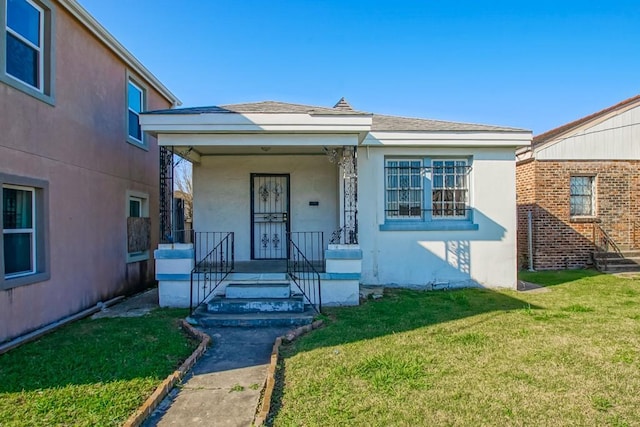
269,216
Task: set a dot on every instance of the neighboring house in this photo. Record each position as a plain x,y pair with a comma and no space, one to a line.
79,179
415,202
580,184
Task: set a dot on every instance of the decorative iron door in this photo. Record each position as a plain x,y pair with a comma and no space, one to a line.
269,216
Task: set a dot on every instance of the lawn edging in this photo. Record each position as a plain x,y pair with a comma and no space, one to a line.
141,414
265,405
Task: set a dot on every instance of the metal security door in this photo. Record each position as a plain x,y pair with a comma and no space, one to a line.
269,216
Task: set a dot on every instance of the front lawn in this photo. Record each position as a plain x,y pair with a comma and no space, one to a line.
92,372
568,356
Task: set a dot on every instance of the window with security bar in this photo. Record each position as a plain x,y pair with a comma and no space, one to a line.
582,200
404,189
449,189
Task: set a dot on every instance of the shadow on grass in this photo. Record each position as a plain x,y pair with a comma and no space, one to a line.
405,310
98,352
556,277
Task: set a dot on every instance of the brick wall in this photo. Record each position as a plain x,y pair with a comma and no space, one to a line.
561,241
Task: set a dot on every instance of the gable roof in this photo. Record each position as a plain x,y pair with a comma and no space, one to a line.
553,133
380,122
101,33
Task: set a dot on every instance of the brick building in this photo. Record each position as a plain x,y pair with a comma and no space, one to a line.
580,184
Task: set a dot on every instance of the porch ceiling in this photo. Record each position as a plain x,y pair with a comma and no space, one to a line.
212,150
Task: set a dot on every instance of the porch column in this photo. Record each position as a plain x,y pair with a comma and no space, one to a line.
349,203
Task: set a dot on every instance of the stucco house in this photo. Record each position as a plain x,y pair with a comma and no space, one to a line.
342,196
79,178
580,186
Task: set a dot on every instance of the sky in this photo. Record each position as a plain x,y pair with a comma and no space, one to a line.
534,64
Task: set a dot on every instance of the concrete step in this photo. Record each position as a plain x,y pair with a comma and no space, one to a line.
254,320
258,290
622,254
621,268
257,305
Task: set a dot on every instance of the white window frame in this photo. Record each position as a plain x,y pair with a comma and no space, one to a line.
398,189
592,196
143,198
465,179
39,49
143,99
31,230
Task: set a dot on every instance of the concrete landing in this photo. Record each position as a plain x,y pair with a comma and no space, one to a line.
224,386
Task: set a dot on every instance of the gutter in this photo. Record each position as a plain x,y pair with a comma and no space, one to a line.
32,336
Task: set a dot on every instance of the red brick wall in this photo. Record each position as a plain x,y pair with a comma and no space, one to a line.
560,241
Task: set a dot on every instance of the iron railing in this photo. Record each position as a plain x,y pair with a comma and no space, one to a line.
344,236
603,244
305,276
311,244
211,269
178,236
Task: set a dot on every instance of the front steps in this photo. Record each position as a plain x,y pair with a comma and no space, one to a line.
255,305
627,261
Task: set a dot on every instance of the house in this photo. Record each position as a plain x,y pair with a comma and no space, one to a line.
79,179
354,197
579,184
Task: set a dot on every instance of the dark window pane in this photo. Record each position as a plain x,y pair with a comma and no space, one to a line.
24,19
134,126
17,209
134,208
17,253
22,61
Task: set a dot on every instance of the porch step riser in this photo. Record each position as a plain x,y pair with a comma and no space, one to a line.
224,305
257,291
255,323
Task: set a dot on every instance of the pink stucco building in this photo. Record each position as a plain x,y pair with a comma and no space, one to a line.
79,180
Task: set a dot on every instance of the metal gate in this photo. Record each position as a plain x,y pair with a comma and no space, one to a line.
269,216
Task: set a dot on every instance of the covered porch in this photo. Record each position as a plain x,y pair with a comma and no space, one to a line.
274,198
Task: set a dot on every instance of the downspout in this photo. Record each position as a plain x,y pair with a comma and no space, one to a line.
31,336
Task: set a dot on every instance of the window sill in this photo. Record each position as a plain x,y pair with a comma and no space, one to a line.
429,226
137,257
136,143
6,284
24,88
584,219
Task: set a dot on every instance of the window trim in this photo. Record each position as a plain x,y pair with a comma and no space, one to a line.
144,213
41,229
32,231
39,49
429,222
130,79
46,73
594,197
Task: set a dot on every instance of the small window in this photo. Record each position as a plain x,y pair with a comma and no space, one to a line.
138,227
18,229
404,189
449,189
582,196
135,100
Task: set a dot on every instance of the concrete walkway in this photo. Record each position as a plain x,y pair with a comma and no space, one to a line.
224,387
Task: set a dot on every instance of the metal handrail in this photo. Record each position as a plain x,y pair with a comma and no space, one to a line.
602,241
305,276
311,244
211,270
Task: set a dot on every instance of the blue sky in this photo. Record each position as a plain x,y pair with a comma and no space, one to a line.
532,64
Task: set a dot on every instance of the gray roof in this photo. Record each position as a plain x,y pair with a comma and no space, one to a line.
381,123
407,124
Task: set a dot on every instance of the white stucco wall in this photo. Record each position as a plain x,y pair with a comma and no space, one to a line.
221,188
482,257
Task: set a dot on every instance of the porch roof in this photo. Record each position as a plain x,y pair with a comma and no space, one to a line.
314,126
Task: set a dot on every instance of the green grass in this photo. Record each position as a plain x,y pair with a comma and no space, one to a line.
92,372
569,356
